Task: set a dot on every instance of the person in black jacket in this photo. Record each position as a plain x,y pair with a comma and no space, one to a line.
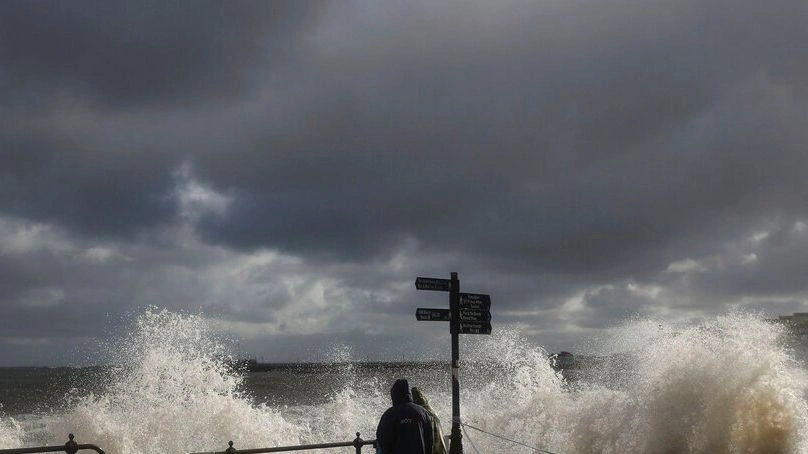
405,428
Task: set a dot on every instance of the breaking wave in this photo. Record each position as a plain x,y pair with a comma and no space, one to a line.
727,385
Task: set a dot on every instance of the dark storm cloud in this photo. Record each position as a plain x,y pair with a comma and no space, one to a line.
128,54
545,150
67,158
595,141
90,189
586,140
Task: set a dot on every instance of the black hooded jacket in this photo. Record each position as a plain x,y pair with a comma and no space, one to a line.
405,428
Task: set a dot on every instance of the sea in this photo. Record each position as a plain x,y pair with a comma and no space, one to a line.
731,384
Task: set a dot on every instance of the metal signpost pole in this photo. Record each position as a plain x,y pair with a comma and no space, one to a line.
456,446
468,313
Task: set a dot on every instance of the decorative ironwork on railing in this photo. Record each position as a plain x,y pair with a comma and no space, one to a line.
357,443
71,447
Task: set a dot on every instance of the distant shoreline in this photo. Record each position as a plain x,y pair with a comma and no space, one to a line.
253,366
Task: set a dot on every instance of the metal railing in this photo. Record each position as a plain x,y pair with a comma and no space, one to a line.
71,447
357,443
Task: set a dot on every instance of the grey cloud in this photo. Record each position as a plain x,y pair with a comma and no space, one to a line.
82,76
585,144
770,269
58,295
123,54
90,189
540,149
612,305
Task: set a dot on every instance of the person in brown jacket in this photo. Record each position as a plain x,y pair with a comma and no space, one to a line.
438,445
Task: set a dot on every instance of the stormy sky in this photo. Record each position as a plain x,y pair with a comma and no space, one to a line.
288,168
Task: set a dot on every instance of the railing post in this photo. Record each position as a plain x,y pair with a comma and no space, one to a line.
71,447
358,443
231,449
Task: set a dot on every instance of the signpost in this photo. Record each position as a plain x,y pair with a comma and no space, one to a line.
474,315
441,315
468,313
475,328
475,301
432,283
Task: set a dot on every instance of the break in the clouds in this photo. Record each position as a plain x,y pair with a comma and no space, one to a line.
288,168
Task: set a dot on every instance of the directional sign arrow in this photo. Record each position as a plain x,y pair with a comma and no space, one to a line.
474,315
475,328
433,283
425,314
475,301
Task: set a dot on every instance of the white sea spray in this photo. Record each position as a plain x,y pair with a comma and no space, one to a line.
726,385
730,384
171,391
11,432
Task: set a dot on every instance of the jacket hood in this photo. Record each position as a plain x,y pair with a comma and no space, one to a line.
419,398
400,392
